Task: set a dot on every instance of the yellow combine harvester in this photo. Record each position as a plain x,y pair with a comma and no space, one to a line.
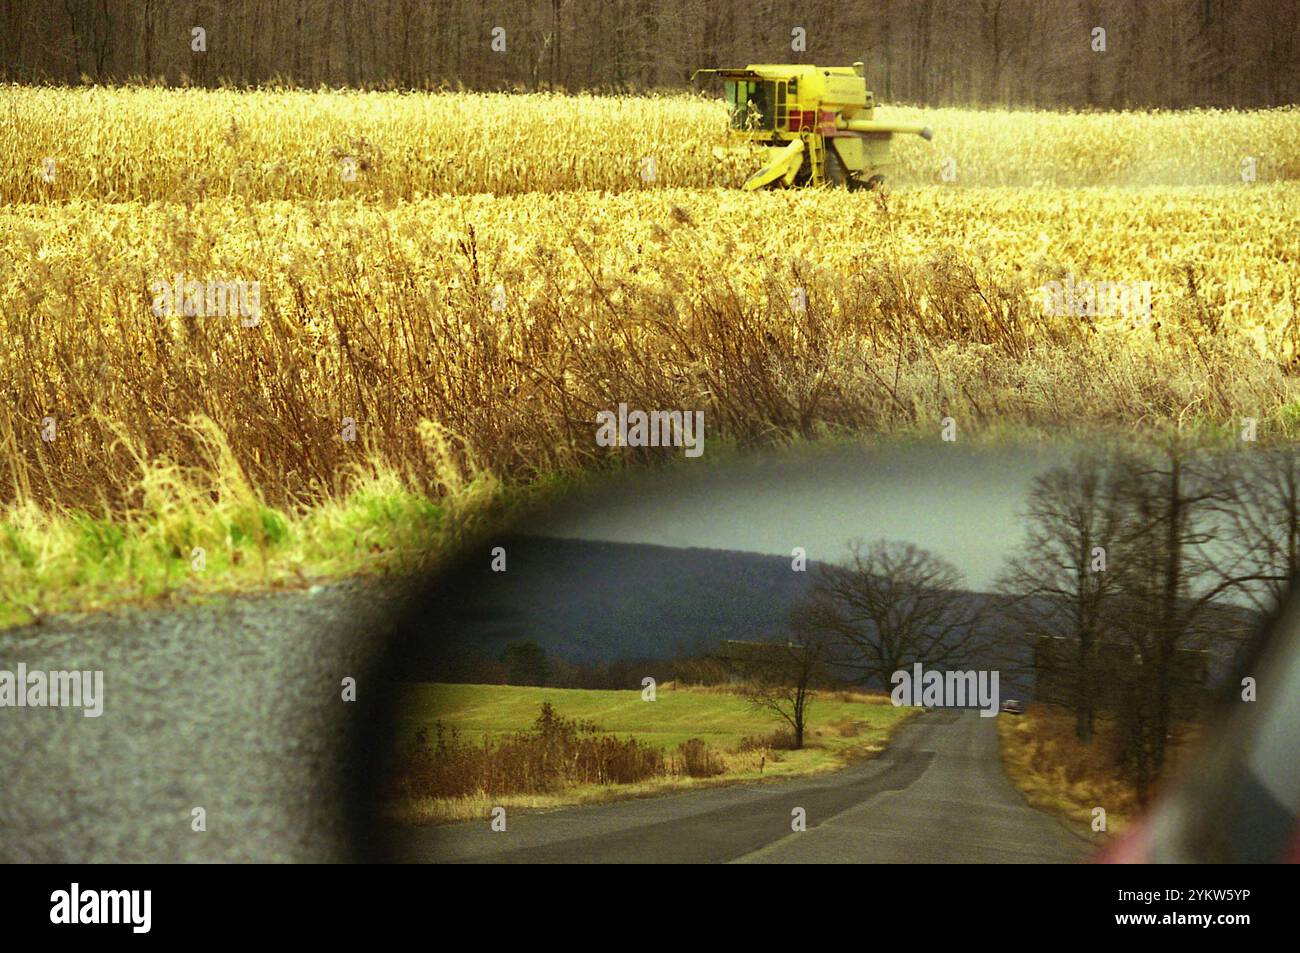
815,123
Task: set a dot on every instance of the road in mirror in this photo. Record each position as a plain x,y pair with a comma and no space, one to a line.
895,653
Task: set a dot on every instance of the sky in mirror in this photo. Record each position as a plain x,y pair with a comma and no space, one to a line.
961,504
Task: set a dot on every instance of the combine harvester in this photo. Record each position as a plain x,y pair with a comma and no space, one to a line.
815,123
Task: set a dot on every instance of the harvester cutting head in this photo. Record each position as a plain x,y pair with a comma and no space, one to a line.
816,124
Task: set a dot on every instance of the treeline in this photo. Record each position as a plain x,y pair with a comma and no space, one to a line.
1140,554
1034,53
1137,563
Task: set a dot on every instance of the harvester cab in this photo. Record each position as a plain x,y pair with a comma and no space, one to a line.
816,124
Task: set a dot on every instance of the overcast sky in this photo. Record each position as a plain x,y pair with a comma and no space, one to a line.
960,503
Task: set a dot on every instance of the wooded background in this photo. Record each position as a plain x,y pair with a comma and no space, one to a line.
1159,53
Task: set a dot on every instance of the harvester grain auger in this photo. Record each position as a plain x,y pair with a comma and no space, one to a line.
816,124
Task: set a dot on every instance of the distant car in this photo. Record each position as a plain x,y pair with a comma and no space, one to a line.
1013,706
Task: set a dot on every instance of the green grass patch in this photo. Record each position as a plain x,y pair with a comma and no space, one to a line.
843,727
202,530
723,719
76,561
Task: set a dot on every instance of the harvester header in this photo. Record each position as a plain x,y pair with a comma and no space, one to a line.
816,124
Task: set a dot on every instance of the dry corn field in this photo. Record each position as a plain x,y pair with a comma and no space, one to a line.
500,266
172,145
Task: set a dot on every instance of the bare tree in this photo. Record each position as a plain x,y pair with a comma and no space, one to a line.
890,605
1142,551
995,40
1258,547
1059,581
1168,576
781,678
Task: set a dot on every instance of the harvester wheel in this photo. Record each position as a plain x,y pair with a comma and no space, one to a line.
836,177
875,182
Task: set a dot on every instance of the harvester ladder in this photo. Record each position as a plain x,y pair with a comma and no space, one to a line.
817,159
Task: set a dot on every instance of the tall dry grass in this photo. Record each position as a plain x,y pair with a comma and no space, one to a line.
507,324
1057,772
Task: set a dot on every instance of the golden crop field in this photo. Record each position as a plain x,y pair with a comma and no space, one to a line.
499,269
182,145
511,320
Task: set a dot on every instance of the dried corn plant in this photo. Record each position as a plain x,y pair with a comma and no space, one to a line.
508,322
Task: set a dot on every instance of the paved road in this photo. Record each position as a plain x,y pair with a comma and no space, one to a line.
938,795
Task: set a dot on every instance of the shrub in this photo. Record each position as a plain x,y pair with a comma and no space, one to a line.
696,760
554,753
